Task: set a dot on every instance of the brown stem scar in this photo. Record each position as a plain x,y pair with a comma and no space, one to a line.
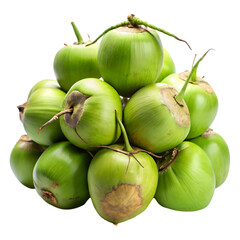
75,100
49,196
164,166
208,133
21,109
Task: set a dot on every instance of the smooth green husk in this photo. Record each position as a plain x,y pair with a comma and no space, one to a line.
46,83
129,60
151,124
97,125
60,175
76,62
23,158
40,107
188,184
217,150
168,66
119,189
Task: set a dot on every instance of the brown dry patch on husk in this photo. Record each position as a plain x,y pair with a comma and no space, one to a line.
180,112
208,133
199,81
25,138
21,109
122,202
75,100
131,29
49,196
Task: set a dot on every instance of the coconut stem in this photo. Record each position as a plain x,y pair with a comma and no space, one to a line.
124,102
179,97
194,75
125,23
127,150
135,22
162,166
127,146
77,33
55,117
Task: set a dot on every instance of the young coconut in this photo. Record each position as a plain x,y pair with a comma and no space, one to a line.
60,175
168,66
186,179
130,55
46,83
23,158
39,108
122,181
89,114
76,62
217,150
157,118
200,98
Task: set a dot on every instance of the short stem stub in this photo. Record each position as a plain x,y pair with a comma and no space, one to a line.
77,33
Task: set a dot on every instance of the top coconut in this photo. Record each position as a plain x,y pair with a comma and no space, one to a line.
130,58
130,55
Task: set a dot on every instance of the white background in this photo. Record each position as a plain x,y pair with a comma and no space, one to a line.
31,34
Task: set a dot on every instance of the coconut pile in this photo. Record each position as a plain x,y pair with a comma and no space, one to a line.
119,126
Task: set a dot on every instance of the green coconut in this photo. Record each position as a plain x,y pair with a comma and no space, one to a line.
122,181
23,158
60,175
186,179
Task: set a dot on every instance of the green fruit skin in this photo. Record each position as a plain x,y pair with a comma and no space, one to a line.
41,107
23,158
149,123
62,171
108,171
97,125
202,105
189,183
168,66
46,83
129,61
76,62
217,150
